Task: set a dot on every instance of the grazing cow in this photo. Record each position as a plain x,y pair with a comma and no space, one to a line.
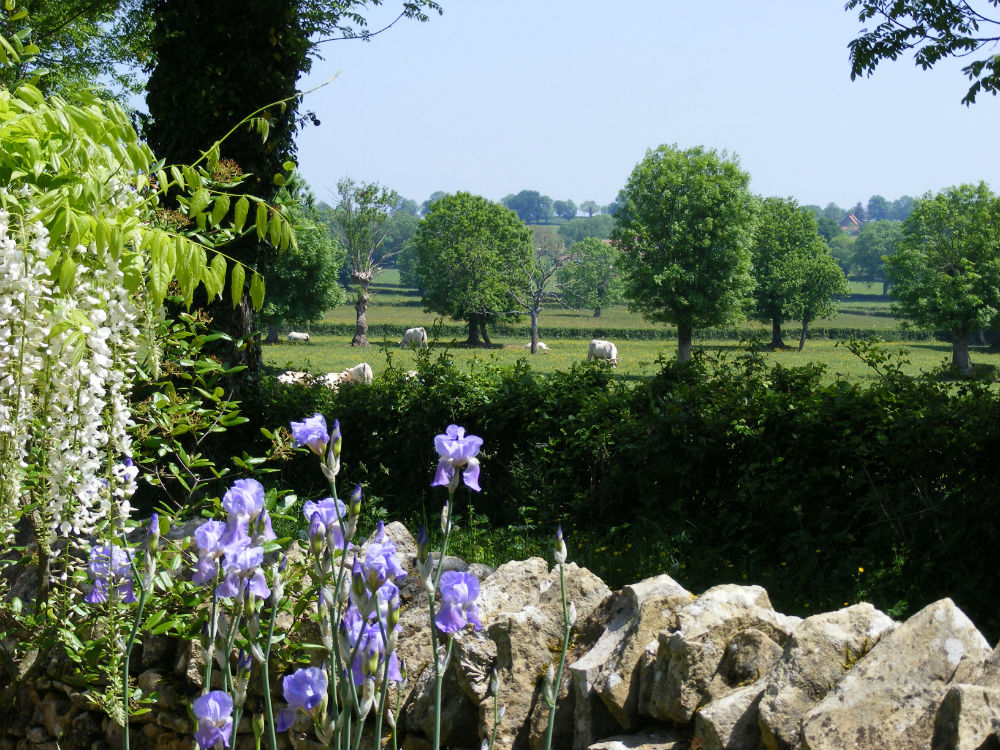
360,373
603,350
332,380
294,377
297,337
542,346
414,337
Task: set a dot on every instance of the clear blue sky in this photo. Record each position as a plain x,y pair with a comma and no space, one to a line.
565,97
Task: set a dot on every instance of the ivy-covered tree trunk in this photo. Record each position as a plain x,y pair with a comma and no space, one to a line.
960,359
684,334
361,308
214,63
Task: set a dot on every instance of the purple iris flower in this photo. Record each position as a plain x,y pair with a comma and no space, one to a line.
456,449
110,569
380,564
311,433
245,503
214,539
242,568
458,602
215,720
324,521
303,689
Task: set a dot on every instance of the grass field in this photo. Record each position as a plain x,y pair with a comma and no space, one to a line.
865,309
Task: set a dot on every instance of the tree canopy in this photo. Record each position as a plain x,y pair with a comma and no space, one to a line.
946,268
684,225
784,232
592,277
599,226
875,240
472,253
933,30
531,206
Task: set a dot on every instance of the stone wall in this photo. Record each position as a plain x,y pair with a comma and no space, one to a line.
650,666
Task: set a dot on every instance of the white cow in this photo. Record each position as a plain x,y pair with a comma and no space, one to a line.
360,373
414,337
297,337
542,346
293,377
603,350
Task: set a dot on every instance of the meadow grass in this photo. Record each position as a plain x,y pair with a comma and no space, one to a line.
637,359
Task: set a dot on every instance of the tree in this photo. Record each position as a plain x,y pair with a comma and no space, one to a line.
408,206
820,281
901,208
590,208
878,208
875,241
214,63
933,30
565,209
592,277
784,232
842,249
402,227
946,268
859,212
684,226
827,228
834,212
574,230
425,207
472,253
531,206
302,281
544,287
361,224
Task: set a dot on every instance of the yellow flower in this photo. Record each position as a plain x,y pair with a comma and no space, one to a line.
861,570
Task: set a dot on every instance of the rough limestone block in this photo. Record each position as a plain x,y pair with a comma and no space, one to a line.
969,717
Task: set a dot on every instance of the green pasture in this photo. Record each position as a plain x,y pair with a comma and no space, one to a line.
637,359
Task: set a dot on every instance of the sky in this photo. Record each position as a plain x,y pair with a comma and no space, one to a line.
566,97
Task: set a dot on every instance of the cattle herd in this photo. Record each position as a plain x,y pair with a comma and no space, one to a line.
361,373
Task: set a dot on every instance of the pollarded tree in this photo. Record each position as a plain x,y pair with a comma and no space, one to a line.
593,277
544,284
684,224
784,231
472,253
875,241
819,283
946,269
361,225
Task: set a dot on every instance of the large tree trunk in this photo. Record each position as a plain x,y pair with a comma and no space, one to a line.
885,288
684,333
482,331
776,341
473,340
597,312
361,308
272,335
960,360
802,336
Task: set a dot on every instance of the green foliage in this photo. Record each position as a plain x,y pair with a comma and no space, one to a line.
819,281
934,30
593,276
946,270
875,241
531,206
472,253
565,209
574,230
685,225
785,232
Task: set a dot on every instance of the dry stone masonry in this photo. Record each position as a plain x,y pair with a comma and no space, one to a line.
651,666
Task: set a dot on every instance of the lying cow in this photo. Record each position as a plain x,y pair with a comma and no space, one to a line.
294,377
414,337
605,350
297,337
542,346
360,374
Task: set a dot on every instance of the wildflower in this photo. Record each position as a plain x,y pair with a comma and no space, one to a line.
212,541
380,563
456,450
215,721
327,519
362,644
304,689
458,594
311,433
110,568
